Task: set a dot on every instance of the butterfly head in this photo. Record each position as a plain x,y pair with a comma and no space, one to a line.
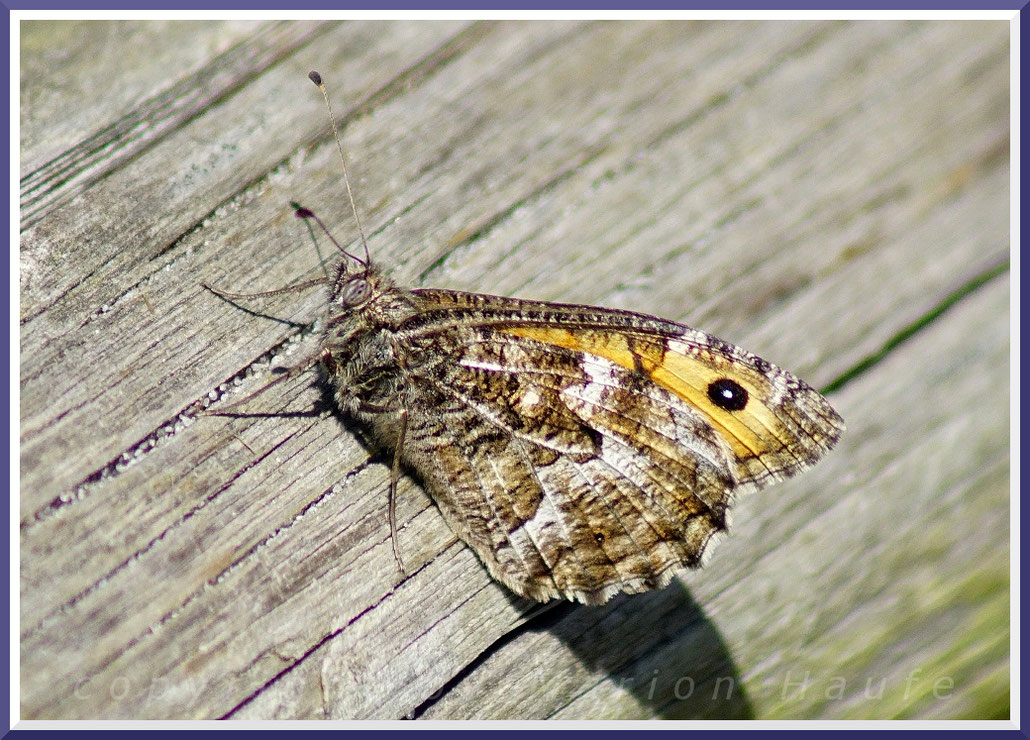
357,283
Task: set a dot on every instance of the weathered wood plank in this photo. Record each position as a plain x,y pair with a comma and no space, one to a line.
78,167
807,189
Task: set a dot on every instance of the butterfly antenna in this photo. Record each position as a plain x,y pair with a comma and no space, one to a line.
317,79
301,212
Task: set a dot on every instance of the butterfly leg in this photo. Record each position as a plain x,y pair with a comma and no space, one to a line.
395,470
291,373
266,293
395,474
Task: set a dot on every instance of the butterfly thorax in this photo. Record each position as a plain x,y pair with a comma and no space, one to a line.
359,351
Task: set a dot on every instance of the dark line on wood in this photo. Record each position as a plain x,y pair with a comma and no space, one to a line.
159,436
235,303
99,581
112,657
499,217
907,332
422,70
414,75
314,648
724,97
149,122
541,617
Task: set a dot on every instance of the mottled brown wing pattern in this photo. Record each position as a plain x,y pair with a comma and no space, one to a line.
561,493
577,449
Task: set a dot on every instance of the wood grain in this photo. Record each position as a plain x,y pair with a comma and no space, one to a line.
832,196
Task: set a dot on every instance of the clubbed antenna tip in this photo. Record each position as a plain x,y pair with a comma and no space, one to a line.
317,79
300,211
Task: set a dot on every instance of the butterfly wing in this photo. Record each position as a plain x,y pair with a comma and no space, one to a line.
581,451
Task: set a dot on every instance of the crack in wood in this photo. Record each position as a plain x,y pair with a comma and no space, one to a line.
153,119
165,432
323,641
186,516
970,287
540,616
500,216
132,643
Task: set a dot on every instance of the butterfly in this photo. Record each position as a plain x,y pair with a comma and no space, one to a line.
581,452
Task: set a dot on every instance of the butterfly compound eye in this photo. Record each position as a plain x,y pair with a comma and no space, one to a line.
727,394
355,292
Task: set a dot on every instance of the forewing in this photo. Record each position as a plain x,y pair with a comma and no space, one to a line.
571,446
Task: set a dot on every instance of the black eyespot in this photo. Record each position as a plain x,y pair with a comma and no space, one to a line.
727,394
355,291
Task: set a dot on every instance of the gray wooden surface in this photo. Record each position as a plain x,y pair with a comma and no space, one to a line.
832,196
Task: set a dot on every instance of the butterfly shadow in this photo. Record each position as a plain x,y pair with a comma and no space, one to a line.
660,647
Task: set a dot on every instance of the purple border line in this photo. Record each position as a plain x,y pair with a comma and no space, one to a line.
787,5
5,545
